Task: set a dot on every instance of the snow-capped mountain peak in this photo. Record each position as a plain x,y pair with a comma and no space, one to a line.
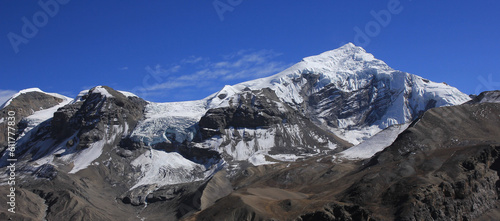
348,74
347,57
349,67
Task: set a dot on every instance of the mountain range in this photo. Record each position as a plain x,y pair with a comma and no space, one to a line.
337,136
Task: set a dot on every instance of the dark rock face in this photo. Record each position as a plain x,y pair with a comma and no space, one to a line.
93,113
262,109
467,195
253,109
341,105
46,171
367,104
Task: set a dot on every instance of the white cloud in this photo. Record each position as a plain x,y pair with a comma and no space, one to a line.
170,85
124,68
6,95
192,60
242,65
202,75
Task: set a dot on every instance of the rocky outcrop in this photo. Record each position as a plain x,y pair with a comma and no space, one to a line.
252,109
336,212
94,112
258,121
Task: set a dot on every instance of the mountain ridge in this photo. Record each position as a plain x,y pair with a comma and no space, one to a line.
149,155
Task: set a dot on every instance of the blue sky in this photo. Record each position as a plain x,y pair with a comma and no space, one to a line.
185,50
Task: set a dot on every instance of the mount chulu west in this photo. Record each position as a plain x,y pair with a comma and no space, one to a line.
109,154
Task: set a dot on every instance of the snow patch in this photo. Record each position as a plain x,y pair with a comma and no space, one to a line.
356,135
101,90
375,144
259,159
286,157
7,103
80,96
42,115
128,94
84,158
162,168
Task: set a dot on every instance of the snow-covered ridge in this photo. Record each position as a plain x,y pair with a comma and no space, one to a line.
343,65
128,94
7,103
161,168
349,68
80,96
101,90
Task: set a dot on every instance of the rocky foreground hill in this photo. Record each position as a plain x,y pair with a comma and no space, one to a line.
338,136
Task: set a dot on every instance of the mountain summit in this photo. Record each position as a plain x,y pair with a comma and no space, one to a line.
351,93
114,155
